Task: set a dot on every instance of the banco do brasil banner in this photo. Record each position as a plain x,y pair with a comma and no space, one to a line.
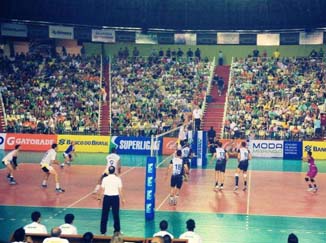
318,149
93,144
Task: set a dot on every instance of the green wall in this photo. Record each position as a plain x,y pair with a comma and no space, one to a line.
210,51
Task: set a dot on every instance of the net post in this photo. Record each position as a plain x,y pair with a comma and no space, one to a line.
150,188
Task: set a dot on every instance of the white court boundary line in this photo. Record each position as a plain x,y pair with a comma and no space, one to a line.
87,195
249,190
163,202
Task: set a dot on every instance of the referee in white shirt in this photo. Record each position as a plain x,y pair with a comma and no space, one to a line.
112,189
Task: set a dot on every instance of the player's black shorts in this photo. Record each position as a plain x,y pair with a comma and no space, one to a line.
220,165
46,170
65,155
176,181
243,165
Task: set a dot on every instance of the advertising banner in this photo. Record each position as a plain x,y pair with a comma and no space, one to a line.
318,149
248,39
268,39
150,188
125,36
311,38
30,142
266,148
289,38
169,145
146,38
185,39
228,38
165,38
17,30
292,150
103,35
61,32
135,145
2,141
200,148
90,143
206,39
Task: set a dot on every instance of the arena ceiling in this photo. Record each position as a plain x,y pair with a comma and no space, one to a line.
172,14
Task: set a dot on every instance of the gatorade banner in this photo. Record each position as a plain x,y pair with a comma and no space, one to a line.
318,149
29,142
2,141
266,148
93,144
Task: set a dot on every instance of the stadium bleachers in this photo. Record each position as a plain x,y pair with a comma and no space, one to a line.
276,98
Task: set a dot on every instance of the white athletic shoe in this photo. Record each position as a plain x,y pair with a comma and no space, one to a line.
235,188
244,188
311,189
221,188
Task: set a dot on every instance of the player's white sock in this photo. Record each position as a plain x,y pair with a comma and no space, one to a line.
57,185
44,182
97,188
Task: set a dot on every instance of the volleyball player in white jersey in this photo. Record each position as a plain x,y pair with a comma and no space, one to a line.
221,157
176,168
186,155
48,159
10,161
113,159
243,158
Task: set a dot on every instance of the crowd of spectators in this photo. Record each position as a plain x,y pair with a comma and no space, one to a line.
153,94
276,98
50,94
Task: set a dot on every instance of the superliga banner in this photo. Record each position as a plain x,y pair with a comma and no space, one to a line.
93,144
266,148
318,149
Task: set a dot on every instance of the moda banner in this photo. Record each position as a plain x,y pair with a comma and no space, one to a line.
266,148
93,144
16,30
29,142
103,35
61,32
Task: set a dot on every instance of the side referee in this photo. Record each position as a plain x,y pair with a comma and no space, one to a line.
112,190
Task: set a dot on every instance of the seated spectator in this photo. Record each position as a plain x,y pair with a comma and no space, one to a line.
190,235
20,237
293,238
35,227
88,237
68,228
167,239
157,239
55,237
163,229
